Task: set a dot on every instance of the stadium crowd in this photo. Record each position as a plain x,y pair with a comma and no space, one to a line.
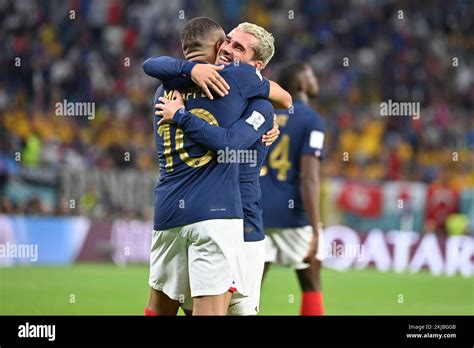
364,53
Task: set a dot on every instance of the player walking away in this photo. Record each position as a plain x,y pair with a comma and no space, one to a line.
251,44
197,242
290,188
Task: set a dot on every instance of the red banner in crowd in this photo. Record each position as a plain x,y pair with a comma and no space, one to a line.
362,200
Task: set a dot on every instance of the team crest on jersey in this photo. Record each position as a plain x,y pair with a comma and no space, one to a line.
255,120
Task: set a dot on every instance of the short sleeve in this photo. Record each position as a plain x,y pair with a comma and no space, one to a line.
313,141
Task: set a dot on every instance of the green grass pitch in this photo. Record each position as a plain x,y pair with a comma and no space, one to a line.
90,289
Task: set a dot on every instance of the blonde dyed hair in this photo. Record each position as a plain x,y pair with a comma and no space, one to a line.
265,48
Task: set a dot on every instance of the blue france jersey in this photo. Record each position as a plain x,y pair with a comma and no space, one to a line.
302,133
243,141
193,186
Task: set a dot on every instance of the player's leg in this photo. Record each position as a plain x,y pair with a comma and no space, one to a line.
310,278
312,295
169,278
216,264
212,305
292,246
254,256
160,304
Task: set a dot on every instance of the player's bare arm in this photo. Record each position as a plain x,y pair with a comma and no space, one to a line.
309,169
280,98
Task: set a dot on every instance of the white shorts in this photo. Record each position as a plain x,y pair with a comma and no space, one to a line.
288,246
200,259
254,253
254,261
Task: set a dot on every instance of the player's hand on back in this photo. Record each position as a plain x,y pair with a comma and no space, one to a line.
269,137
167,108
207,77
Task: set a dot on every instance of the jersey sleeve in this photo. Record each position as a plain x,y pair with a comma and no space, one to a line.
166,68
257,119
249,80
313,142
